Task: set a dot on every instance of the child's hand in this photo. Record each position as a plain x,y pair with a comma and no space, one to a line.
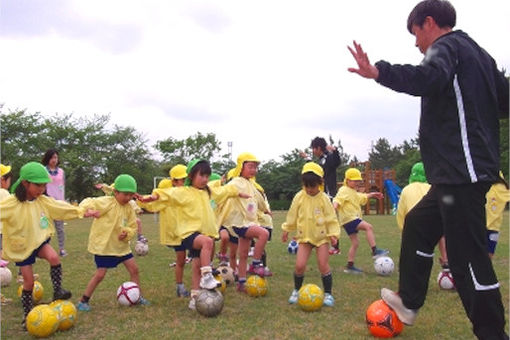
269,212
333,240
377,195
243,195
335,205
98,186
146,199
91,213
285,236
122,235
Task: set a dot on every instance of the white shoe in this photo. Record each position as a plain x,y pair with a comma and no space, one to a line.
191,304
251,251
293,297
393,300
207,281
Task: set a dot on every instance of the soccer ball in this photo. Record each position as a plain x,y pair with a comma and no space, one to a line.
223,286
256,286
382,321
5,276
310,297
66,312
42,321
227,273
37,292
128,293
209,302
384,265
141,248
292,247
445,280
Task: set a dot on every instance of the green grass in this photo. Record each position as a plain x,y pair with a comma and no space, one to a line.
269,317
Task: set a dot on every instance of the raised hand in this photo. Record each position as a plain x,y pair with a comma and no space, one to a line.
365,69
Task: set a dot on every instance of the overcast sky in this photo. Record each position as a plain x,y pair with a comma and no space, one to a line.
266,75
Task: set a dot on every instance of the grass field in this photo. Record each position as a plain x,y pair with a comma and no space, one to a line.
243,317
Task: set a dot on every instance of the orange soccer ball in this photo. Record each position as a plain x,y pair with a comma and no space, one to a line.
382,321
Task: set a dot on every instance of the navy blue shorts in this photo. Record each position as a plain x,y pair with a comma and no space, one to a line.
188,244
109,261
180,247
240,231
270,230
31,259
492,240
350,228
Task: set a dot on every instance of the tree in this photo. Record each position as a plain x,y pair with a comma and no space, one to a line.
382,155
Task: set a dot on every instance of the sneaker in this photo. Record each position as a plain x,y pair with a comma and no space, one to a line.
3,263
241,287
329,300
188,260
142,239
258,270
143,301
267,272
173,264
380,252
393,300
334,251
63,253
191,304
5,301
353,270
182,292
83,306
223,259
293,297
62,294
207,281
251,251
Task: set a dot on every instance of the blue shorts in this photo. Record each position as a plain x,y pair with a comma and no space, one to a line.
492,240
270,230
188,244
180,247
240,231
350,227
31,259
109,261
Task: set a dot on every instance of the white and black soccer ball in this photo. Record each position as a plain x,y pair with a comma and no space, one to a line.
227,273
5,276
445,280
128,293
384,265
141,248
209,302
293,247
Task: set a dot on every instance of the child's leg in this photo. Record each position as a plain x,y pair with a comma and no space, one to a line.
48,253
93,283
261,234
442,250
205,245
180,259
224,239
59,227
233,255
134,273
354,247
28,286
243,248
324,269
367,227
302,256
195,274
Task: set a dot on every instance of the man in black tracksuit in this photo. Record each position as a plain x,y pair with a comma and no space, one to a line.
463,95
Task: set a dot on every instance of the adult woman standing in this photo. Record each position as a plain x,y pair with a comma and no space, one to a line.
56,189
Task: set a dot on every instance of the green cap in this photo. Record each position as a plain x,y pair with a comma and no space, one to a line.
33,172
125,183
190,167
418,173
214,177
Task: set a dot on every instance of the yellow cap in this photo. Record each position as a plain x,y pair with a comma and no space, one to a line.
178,172
353,174
165,183
241,159
230,174
313,167
4,169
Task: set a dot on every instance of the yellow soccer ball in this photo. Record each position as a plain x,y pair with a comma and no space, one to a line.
66,312
42,321
223,286
256,286
37,292
310,297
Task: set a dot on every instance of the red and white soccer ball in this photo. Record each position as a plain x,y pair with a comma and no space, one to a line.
128,294
445,280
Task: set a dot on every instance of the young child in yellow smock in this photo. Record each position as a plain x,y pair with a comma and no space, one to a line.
196,221
497,198
168,224
27,229
241,218
312,217
6,176
110,235
348,202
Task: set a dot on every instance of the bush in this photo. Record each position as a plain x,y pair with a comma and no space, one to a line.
279,204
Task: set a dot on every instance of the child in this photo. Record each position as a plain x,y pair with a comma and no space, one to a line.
108,190
241,218
110,235
27,229
348,202
312,216
168,224
196,223
6,176
266,221
497,198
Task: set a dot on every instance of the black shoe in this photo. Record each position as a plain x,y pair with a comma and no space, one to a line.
62,294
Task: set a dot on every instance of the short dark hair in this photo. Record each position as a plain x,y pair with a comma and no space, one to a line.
441,11
202,167
311,180
21,192
319,142
47,156
7,175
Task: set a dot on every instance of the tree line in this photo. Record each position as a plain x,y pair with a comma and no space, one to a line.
91,152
